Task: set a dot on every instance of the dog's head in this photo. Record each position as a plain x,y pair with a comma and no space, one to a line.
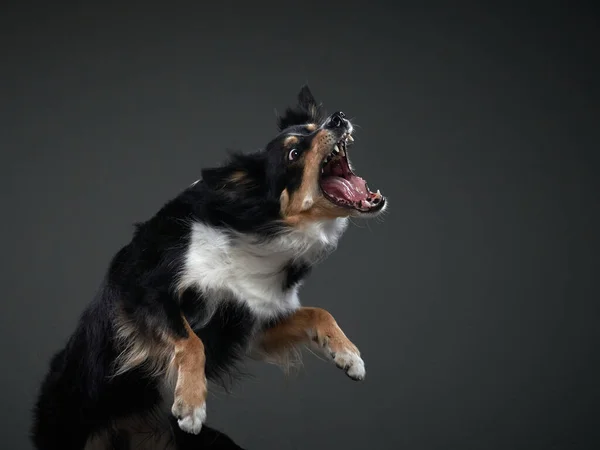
312,151
304,173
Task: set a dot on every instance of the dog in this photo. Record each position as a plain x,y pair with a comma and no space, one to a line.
210,279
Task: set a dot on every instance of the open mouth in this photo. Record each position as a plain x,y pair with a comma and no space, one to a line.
341,186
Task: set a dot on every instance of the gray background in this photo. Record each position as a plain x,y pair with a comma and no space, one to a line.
474,302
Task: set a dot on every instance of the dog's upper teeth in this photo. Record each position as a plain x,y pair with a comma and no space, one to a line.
350,138
336,149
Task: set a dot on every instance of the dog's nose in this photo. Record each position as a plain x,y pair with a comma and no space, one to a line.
337,120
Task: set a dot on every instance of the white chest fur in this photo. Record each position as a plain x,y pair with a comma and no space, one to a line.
251,269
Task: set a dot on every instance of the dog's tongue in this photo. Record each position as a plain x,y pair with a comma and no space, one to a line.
352,188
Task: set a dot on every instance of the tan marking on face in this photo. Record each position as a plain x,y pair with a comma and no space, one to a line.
290,140
311,127
310,177
284,200
321,209
308,204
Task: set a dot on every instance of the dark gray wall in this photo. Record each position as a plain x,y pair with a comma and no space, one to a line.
474,302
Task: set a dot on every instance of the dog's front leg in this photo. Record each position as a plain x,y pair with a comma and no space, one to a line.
317,328
189,405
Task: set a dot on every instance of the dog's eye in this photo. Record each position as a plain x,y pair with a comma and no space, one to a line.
293,154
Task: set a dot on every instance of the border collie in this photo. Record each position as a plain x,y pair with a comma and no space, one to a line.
211,278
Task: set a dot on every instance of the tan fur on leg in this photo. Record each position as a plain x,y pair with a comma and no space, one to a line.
317,328
179,360
189,405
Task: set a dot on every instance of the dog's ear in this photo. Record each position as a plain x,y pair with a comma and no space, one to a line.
246,171
306,111
306,100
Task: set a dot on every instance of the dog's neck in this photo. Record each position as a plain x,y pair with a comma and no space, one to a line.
307,243
251,267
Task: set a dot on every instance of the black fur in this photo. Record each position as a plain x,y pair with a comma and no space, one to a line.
80,396
307,111
295,272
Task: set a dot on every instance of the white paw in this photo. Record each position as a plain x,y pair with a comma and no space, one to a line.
190,420
352,363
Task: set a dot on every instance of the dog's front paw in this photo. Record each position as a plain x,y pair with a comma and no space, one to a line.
190,415
331,341
351,363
